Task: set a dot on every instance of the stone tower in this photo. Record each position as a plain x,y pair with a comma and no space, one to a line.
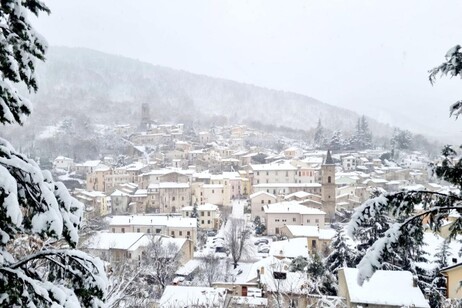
145,116
328,187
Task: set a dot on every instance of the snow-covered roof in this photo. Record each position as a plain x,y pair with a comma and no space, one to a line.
291,207
283,185
258,193
279,165
311,231
202,207
106,241
153,220
189,267
391,288
298,194
290,248
168,185
183,296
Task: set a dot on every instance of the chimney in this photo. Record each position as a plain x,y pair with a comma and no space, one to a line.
414,281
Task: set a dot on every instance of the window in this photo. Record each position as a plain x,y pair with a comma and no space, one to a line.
138,230
157,231
269,201
308,221
182,198
262,208
262,201
201,193
213,191
149,230
299,173
187,214
188,233
267,181
258,172
284,220
287,173
267,173
329,179
258,181
123,230
208,213
113,230
316,220
173,198
202,221
208,222
294,219
276,220
172,233
181,233
202,213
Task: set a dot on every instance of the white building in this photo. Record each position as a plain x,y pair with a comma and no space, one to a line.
278,215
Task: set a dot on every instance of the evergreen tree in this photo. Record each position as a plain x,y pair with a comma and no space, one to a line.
401,140
437,286
319,138
39,220
298,264
321,280
342,255
195,213
335,142
436,205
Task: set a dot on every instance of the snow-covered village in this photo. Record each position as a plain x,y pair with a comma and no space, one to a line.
230,154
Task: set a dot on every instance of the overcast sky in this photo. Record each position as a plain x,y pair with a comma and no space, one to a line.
369,56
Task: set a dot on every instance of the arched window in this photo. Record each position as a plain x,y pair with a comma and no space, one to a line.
329,180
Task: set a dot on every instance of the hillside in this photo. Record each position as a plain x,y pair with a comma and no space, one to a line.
110,89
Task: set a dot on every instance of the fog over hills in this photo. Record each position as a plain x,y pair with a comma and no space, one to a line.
110,89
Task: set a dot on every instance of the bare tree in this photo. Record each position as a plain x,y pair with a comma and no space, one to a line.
237,236
124,286
160,262
211,269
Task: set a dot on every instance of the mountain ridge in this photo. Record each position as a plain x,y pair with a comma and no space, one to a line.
112,88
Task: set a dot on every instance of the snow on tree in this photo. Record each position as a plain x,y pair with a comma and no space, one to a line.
336,142
362,137
451,67
237,238
321,281
342,255
34,208
211,269
401,139
319,138
160,261
298,264
436,206
437,286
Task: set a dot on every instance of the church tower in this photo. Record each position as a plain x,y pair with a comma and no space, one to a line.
145,116
328,187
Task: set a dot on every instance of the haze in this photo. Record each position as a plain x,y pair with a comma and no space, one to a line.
371,57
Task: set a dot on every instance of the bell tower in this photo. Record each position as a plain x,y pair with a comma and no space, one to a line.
328,187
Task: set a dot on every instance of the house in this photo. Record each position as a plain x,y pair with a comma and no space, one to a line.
126,247
278,215
291,248
384,289
63,163
169,225
194,297
208,215
317,238
95,202
453,276
258,201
